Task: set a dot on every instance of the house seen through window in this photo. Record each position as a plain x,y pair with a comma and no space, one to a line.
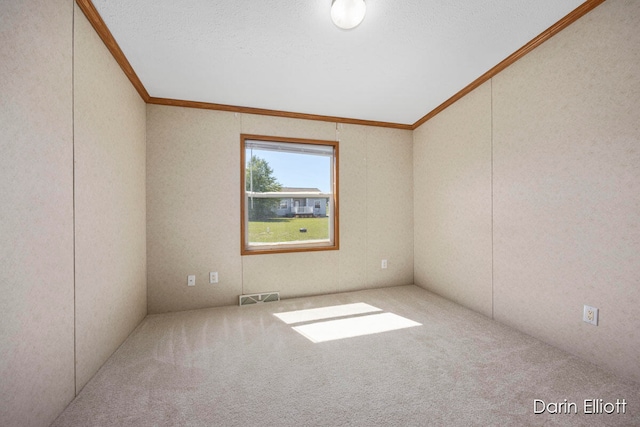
289,194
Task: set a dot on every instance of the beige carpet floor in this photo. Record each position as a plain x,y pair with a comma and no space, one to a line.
243,366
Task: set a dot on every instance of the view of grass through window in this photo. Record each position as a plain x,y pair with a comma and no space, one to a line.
288,229
288,193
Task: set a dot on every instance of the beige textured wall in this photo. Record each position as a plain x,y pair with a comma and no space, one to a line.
110,206
567,188
564,126
452,202
36,211
193,205
383,157
191,217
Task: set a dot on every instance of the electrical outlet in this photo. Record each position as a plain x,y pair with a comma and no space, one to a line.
590,315
213,277
383,265
191,280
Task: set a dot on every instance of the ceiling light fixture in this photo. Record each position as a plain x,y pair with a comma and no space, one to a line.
347,14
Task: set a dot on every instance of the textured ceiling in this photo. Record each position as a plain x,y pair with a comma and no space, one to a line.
405,59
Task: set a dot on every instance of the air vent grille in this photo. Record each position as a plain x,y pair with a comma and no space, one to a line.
259,298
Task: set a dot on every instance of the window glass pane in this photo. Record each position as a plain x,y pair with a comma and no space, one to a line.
288,194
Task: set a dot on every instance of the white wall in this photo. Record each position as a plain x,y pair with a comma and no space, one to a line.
110,205
452,202
193,210
566,137
72,136
558,132
36,212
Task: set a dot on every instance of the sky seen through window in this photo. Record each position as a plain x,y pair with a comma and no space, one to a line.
297,170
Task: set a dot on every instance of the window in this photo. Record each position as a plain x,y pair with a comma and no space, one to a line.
289,195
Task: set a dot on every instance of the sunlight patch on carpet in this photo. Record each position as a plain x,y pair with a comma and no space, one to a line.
321,313
353,327
347,321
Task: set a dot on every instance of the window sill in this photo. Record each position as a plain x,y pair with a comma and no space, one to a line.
286,247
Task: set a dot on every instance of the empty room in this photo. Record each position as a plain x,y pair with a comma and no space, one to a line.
319,213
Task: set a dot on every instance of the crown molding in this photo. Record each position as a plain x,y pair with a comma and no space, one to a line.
276,113
98,24
573,16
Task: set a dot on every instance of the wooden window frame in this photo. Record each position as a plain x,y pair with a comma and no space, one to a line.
245,248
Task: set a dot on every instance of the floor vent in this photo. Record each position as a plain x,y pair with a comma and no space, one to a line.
259,298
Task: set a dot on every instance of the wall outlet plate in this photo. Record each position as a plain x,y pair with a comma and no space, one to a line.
590,315
213,277
383,264
191,280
